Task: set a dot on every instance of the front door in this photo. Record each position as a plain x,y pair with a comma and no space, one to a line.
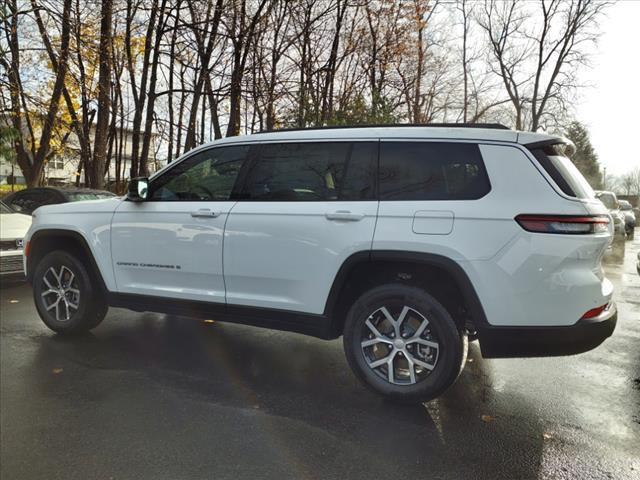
171,245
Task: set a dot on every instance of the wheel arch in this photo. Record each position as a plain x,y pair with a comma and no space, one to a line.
47,240
357,268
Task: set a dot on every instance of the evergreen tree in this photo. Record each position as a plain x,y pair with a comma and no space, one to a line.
585,157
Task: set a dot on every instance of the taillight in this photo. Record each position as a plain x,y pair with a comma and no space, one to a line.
565,224
594,312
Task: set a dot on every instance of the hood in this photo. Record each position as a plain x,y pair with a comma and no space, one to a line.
106,205
14,225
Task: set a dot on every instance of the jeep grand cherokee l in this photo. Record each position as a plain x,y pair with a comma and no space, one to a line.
402,240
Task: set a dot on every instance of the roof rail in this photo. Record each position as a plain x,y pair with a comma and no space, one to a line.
493,126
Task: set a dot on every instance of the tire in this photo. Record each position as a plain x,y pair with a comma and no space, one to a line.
66,296
438,344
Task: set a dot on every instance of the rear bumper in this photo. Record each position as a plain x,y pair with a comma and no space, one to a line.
511,342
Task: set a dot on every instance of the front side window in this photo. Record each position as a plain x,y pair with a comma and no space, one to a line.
206,176
314,171
432,171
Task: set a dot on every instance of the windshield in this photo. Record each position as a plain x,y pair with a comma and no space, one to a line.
609,200
80,196
5,209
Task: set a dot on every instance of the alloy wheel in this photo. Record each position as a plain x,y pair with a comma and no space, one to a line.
399,345
60,292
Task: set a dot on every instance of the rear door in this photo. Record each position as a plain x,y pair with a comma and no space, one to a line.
303,209
434,196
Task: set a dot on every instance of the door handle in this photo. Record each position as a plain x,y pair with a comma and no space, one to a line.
204,212
344,215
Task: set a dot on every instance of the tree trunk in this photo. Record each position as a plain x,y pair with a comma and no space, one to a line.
96,173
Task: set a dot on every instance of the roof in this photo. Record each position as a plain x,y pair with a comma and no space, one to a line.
396,131
486,132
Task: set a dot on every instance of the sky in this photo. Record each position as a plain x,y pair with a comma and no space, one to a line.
610,107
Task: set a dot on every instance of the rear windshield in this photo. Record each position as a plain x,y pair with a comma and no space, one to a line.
79,196
563,171
5,209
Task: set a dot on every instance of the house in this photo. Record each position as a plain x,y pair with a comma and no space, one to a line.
62,168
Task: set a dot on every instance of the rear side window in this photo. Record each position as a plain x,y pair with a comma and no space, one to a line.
315,171
609,199
562,170
432,171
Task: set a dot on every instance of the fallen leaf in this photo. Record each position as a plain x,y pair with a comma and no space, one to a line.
208,321
547,435
487,418
56,371
470,360
14,301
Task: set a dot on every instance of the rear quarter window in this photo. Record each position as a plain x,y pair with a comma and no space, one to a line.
562,170
432,171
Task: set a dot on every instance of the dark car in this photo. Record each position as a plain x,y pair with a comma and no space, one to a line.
629,217
610,201
26,201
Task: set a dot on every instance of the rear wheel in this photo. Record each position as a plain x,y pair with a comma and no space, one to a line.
65,295
402,343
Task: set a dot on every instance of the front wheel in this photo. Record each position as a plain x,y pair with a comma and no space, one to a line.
65,295
402,343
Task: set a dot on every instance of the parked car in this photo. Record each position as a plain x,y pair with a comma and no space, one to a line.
402,240
629,218
26,201
617,248
13,228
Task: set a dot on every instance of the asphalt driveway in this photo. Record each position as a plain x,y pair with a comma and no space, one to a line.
161,397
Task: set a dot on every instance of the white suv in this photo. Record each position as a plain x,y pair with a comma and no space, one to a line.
404,240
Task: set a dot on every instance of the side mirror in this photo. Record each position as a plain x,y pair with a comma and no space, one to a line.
138,189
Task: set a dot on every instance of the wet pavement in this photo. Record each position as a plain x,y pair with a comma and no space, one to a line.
161,397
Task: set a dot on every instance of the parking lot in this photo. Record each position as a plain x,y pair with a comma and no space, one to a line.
162,397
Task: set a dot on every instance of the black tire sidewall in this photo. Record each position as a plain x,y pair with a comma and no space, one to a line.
87,316
452,342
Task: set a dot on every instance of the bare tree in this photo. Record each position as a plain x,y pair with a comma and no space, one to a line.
241,27
95,174
33,145
537,52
